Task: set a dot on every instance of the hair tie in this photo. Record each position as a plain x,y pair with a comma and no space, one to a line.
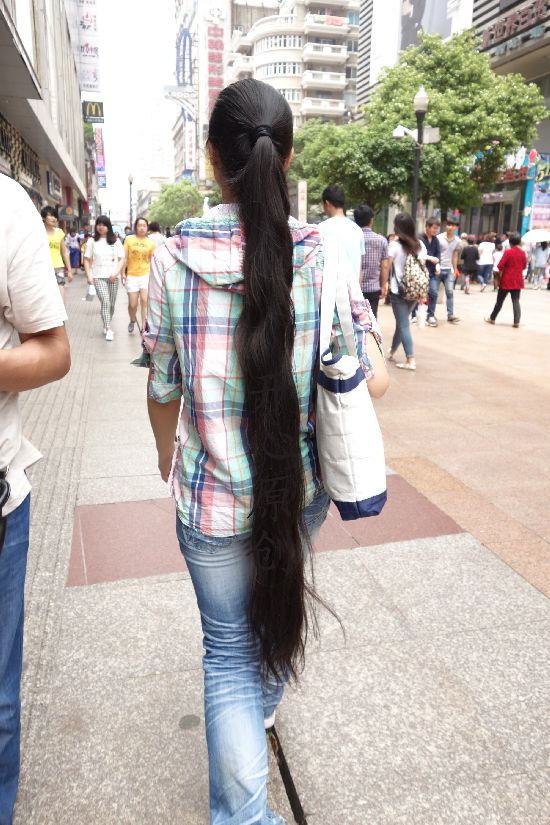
261,131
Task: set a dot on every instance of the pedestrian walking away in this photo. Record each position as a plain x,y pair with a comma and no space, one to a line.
72,242
470,258
337,225
497,255
31,308
58,249
234,329
485,263
406,244
138,249
155,234
375,264
540,262
449,244
511,267
103,263
433,263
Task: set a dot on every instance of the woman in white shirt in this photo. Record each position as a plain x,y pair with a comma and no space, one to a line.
398,250
485,262
103,263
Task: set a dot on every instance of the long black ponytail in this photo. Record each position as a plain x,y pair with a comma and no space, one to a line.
251,130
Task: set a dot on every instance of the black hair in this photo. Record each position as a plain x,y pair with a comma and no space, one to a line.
498,245
335,195
138,219
433,221
514,238
127,229
544,245
154,226
48,210
103,220
471,239
250,135
405,229
363,215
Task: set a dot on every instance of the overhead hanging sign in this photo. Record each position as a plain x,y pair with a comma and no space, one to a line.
92,111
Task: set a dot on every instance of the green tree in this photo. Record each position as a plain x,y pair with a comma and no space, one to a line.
482,117
177,201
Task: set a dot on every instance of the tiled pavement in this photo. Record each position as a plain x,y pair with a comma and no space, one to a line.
433,710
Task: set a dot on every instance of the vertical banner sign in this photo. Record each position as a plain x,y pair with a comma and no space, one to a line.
541,195
100,159
88,46
189,138
215,64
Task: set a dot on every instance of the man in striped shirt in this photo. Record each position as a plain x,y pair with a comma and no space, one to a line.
375,263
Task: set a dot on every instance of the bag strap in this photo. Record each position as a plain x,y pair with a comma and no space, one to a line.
335,293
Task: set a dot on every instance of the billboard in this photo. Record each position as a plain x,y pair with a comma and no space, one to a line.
431,16
540,213
92,111
100,159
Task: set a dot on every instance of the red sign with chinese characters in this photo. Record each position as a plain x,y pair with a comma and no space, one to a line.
215,64
515,22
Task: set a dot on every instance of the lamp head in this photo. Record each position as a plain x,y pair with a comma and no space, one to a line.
130,178
421,101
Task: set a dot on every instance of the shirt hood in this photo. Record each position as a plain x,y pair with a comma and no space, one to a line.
212,246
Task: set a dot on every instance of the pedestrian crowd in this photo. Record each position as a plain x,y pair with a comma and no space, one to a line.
231,313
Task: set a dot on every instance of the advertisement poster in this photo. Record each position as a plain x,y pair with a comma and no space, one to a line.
100,159
417,16
540,214
88,46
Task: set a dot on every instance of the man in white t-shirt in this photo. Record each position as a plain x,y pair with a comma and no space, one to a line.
338,226
34,350
485,262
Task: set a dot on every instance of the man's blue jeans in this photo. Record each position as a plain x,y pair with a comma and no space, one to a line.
484,273
236,699
13,565
448,279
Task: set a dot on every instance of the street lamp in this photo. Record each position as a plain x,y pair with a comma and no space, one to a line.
130,181
421,101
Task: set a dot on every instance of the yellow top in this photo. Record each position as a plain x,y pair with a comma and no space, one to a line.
55,239
139,251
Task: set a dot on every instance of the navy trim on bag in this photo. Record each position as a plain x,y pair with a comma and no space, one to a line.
331,361
350,510
341,385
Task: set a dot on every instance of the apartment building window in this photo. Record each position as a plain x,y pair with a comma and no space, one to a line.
280,68
353,45
279,41
292,95
351,72
353,18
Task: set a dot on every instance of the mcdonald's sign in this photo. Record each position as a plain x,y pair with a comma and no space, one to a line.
92,111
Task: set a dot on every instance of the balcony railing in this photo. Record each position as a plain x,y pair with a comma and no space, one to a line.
274,24
326,24
323,80
327,54
323,107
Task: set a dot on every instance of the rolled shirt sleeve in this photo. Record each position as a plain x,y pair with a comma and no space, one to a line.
165,370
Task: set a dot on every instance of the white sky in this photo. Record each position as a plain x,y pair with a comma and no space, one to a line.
137,40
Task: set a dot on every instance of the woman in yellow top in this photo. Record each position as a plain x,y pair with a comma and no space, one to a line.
58,250
138,251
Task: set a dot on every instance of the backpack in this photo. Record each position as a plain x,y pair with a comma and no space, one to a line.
414,284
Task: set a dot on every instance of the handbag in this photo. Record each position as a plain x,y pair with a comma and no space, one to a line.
349,441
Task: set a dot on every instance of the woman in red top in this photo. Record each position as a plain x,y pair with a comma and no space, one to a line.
511,267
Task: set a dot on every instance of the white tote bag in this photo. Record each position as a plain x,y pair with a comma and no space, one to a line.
349,441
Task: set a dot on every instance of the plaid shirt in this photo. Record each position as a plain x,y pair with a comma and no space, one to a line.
376,249
195,301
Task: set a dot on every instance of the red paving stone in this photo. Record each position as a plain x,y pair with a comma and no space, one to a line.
137,539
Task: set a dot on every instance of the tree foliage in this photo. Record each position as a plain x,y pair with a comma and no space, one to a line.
177,201
482,117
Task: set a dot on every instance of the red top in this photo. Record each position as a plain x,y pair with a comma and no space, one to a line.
511,267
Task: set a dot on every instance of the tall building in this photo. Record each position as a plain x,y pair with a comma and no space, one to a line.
389,26
308,51
516,36
41,135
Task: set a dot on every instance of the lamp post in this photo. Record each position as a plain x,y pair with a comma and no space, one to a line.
421,101
130,181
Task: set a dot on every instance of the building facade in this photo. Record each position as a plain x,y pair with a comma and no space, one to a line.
390,26
41,135
516,36
308,51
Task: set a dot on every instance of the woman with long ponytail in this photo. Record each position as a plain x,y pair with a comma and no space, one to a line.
234,329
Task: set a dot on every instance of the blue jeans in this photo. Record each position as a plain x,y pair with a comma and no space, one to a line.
448,279
13,565
402,335
236,699
484,273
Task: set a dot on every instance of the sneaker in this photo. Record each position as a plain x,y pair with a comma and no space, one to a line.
104,330
413,320
131,326
483,288
390,356
488,320
269,721
109,335
516,326
432,322
407,365
452,319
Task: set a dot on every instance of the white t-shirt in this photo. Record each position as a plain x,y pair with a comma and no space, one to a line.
399,256
541,256
29,302
104,257
349,235
486,249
